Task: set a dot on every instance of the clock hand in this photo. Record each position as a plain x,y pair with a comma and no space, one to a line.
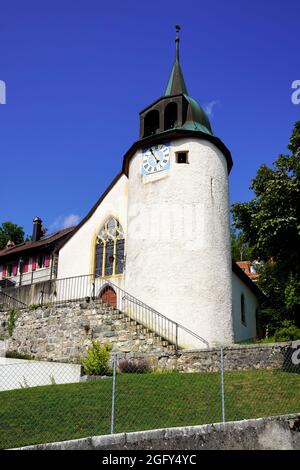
157,159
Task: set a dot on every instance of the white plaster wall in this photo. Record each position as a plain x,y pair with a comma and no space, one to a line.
76,257
178,244
18,373
243,332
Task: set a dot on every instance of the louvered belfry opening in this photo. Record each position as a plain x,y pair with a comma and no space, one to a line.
171,115
152,124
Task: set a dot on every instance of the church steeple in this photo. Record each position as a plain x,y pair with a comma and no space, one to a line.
176,110
173,116
176,84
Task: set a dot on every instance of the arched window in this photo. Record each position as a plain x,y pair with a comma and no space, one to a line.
151,123
171,116
109,258
243,313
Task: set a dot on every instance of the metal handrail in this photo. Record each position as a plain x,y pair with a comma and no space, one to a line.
178,325
75,288
13,300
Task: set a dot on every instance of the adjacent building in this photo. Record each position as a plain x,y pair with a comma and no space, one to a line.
34,260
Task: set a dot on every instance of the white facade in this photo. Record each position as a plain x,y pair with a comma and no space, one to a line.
177,245
173,208
243,330
178,248
77,256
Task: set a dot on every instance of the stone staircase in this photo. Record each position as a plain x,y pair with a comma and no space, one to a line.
63,331
125,333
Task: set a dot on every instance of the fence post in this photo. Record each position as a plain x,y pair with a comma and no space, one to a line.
176,339
222,385
113,401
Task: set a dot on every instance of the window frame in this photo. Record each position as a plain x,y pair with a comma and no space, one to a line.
43,256
109,237
10,265
177,157
243,309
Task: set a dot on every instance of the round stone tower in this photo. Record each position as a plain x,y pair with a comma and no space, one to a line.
178,256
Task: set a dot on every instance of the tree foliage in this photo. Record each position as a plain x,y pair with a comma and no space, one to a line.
270,224
10,232
240,249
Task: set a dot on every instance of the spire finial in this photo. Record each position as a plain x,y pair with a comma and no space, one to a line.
176,85
178,28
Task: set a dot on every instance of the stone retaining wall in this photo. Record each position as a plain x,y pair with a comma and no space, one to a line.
63,333
266,356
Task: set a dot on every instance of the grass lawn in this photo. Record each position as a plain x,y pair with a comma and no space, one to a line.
61,412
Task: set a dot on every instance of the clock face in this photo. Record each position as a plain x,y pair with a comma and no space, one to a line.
156,159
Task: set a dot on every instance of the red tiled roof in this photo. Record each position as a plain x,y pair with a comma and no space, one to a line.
43,242
246,267
248,281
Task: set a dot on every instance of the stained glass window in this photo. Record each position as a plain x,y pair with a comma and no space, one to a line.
109,258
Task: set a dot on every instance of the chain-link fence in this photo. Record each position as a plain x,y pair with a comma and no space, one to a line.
46,402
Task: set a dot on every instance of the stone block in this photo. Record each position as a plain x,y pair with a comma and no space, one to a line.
109,334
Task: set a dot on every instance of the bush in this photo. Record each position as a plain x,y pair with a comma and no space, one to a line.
34,306
287,332
11,322
134,366
96,360
17,355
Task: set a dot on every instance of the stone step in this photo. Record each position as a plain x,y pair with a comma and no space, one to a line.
117,317
126,321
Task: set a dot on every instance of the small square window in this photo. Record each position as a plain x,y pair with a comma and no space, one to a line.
182,157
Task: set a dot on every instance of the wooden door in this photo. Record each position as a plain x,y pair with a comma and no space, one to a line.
109,296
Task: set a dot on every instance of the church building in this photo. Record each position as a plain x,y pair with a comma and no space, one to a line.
161,229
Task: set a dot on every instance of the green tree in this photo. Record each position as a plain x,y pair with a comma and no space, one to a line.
270,224
10,231
240,249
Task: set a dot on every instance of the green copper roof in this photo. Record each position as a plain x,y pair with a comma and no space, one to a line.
176,84
197,118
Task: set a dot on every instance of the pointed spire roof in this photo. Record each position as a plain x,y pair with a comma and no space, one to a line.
176,84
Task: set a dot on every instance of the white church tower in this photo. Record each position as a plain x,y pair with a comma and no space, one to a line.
178,256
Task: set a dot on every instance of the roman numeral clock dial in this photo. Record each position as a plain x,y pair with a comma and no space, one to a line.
156,159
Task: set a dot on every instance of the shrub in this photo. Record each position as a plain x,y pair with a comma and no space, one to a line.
12,318
17,355
134,366
287,332
96,360
34,306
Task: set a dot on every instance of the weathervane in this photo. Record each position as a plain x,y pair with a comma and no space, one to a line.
178,28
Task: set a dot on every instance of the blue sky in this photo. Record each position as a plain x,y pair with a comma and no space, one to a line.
78,73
